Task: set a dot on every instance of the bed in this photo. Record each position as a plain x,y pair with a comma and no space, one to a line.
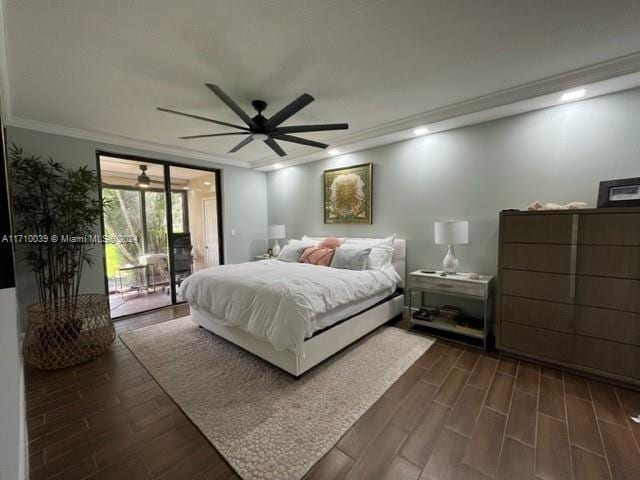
295,315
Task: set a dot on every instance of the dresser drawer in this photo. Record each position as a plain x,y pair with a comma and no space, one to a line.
536,313
542,286
606,356
537,257
600,260
445,285
610,229
614,325
615,293
609,261
532,228
534,341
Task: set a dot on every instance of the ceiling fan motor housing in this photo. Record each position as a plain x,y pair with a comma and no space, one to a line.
259,105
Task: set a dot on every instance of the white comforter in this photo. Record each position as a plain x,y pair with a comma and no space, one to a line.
277,301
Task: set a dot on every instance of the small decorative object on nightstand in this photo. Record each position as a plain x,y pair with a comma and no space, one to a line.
277,232
451,233
451,318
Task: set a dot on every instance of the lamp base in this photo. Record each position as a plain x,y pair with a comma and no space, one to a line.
275,251
450,264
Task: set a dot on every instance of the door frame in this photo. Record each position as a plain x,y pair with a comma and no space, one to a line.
167,164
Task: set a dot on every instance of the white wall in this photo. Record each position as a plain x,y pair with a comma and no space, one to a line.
12,424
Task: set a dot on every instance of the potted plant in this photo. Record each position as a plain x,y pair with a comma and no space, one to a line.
56,210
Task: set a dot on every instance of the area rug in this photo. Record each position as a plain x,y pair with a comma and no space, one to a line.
267,424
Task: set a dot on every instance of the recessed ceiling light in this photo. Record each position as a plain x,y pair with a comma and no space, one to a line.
333,152
421,131
573,95
277,165
207,183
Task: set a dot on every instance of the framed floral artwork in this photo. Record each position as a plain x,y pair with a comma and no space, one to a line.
347,194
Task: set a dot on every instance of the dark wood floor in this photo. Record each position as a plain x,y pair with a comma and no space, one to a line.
455,414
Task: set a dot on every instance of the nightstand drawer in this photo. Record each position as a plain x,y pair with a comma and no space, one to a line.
445,285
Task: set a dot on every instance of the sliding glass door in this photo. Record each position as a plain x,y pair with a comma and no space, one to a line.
154,251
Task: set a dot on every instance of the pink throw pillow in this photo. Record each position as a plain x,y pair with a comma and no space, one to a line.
317,256
330,242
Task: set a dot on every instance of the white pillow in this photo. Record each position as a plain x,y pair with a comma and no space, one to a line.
351,258
372,242
379,258
291,253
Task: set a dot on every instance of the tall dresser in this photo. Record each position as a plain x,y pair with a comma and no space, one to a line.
569,289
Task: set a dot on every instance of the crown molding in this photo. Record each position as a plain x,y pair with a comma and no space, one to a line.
120,141
580,77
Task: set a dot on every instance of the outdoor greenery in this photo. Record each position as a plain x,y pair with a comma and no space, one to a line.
56,208
123,217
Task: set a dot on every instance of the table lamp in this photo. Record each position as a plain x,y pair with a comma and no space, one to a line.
276,232
451,233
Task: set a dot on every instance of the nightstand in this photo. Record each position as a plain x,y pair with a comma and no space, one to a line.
467,329
265,256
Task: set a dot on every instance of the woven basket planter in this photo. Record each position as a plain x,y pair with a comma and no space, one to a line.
64,334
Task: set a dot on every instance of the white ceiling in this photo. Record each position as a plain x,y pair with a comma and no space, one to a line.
103,66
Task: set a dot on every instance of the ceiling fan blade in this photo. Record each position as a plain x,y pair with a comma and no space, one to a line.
301,141
232,105
214,135
198,117
312,128
275,147
244,142
290,110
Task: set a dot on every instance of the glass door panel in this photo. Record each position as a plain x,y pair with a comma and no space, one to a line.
136,258
194,228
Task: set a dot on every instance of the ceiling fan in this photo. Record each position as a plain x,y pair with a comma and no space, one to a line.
144,180
261,128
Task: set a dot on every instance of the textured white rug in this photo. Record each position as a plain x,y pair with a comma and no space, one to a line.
264,422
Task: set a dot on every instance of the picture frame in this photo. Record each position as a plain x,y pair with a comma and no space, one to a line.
624,192
347,193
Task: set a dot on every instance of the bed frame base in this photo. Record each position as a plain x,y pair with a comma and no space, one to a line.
317,348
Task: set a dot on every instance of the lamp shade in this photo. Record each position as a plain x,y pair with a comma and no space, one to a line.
277,231
451,232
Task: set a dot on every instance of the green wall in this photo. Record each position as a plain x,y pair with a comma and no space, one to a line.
559,154
244,198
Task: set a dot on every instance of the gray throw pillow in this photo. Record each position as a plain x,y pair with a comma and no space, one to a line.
351,258
291,253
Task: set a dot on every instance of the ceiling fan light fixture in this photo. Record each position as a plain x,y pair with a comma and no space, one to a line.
143,180
260,136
